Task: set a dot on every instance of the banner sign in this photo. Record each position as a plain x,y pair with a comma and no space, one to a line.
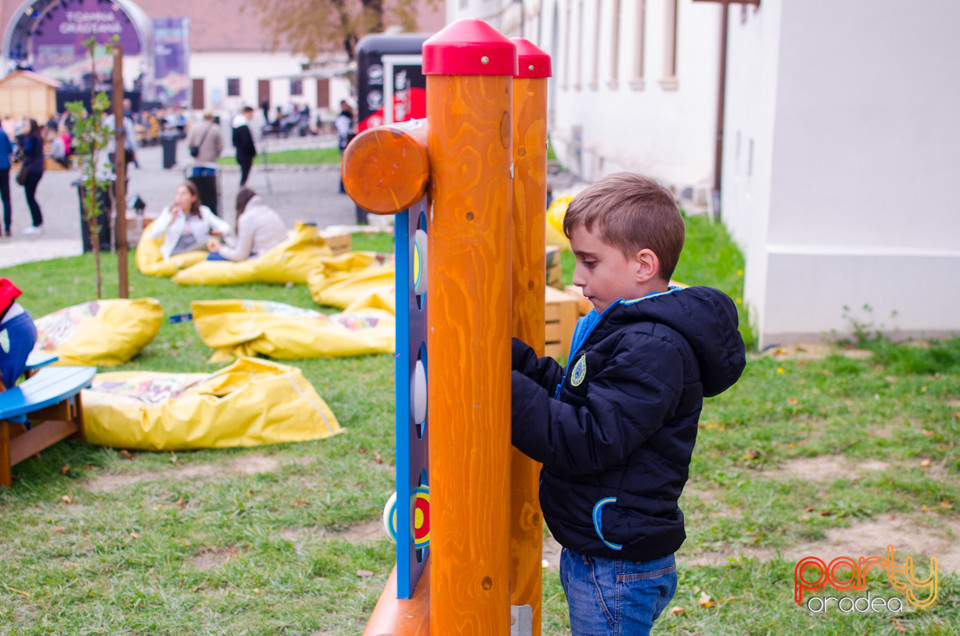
171,53
57,42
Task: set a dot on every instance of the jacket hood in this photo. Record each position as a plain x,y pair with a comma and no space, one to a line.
707,319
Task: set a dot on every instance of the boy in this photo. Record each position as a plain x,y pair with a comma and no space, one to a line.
616,429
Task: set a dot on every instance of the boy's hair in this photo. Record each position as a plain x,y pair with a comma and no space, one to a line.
632,212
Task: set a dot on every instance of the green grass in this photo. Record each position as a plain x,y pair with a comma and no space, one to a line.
222,551
304,156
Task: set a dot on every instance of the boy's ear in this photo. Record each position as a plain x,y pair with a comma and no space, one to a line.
646,265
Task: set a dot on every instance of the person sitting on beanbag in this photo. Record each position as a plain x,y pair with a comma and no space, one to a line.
186,225
259,228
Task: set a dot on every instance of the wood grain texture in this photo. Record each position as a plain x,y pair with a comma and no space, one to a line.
398,616
385,169
529,280
468,345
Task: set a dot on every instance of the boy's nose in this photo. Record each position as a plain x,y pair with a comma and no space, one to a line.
577,277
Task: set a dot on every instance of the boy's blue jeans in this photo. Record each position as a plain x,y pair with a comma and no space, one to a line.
608,597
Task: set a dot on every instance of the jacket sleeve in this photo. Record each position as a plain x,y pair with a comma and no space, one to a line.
159,227
626,401
544,371
244,245
214,222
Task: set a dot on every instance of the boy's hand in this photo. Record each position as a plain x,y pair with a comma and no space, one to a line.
522,355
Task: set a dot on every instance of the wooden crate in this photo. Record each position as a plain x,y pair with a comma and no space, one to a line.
554,270
338,243
560,315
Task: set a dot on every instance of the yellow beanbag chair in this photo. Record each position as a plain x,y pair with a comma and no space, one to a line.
555,214
248,403
100,332
342,280
289,262
247,328
150,261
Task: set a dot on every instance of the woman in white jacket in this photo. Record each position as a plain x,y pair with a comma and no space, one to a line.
186,225
259,228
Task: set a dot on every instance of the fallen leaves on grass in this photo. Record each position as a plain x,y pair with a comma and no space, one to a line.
126,454
363,574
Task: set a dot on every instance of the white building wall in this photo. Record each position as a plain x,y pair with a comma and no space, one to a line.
849,203
633,119
216,67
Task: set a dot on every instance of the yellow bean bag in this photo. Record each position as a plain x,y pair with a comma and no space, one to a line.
100,332
150,261
289,262
555,214
248,328
248,403
342,280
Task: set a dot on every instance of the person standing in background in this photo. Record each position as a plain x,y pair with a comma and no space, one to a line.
243,142
205,135
33,158
6,149
346,131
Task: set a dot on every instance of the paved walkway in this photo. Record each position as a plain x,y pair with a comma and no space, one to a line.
298,193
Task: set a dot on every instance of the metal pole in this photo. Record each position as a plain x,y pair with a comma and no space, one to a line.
721,97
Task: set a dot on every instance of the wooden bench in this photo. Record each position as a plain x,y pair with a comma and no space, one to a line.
51,399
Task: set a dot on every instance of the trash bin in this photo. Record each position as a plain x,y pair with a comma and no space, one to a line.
168,141
103,219
206,176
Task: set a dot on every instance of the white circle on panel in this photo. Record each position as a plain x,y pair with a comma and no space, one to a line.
419,390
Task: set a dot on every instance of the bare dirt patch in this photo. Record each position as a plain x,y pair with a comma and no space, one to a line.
921,536
211,558
246,465
826,468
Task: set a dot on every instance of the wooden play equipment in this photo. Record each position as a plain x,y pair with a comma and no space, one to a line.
470,273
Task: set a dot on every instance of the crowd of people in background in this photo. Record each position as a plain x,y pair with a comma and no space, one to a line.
29,144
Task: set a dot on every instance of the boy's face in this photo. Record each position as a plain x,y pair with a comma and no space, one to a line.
603,273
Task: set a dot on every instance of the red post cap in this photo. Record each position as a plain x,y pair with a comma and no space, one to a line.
469,47
532,61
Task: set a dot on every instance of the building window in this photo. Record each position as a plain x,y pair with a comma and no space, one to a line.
578,78
233,87
639,42
567,45
296,87
669,79
614,45
595,68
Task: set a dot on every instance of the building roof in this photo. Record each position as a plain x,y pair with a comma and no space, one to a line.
225,25
30,75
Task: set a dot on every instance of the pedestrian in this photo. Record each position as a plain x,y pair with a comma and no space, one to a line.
206,138
6,149
129,139
615,430
346,131
32,151
243,143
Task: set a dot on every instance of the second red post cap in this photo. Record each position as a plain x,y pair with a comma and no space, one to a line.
532,61
469,47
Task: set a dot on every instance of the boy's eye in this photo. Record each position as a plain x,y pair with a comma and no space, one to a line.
589,263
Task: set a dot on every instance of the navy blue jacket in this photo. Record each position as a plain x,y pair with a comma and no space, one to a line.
616,431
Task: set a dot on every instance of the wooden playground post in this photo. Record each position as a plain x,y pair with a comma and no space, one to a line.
529,280
484,522
470,69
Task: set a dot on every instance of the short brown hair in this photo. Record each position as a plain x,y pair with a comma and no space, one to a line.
632,212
